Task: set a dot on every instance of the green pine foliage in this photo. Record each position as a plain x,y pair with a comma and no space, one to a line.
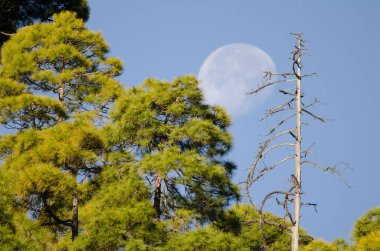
62,60
368,223
249,236
46,168
319,245
207,239
369,242
6,227
20,110
273,235
17,231
55,81
147,172
256,236
366,233
119,214
179,142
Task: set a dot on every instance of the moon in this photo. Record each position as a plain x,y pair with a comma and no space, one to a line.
229,72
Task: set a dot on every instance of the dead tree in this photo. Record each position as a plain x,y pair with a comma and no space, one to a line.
292,109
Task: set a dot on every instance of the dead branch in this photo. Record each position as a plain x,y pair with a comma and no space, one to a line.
6,34
266,143
259,168
265,85
261,153
266,198
270,168
285,205
279,108
331,169
271,131
271,194
307,151
269,74
315,101
313,115
247,188
270,223
278,135
286,92
310,204
275,146
308,75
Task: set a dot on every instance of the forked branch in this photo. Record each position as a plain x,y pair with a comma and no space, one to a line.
334,170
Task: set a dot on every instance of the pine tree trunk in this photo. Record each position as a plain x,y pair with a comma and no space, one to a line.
297,174
157,197
75,223
61,93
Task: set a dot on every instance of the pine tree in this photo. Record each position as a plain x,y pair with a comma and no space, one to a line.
55,81
249,234
179,142
63,59
6,226
48,169
367,223
19,109
120,214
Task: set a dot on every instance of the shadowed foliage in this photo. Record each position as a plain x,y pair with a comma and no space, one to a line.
15,14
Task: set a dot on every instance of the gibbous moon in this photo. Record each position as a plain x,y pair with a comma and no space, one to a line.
230,72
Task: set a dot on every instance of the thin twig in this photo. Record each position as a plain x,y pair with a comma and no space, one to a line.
262,87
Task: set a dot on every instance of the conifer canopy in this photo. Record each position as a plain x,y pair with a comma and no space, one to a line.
18,13
180,142
52,70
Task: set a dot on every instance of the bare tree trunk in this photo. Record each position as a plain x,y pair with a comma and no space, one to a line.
75,223
259,168
157,197
297,193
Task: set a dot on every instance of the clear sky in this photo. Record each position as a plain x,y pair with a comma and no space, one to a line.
169,38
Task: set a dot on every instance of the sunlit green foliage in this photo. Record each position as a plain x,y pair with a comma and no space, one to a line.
153,176
179,142
274,235
342,245
119,214
366,232
368,223
255,236
52,73
6,216
46,166
369,242
62,60
21,110
207,239
248,236
319,245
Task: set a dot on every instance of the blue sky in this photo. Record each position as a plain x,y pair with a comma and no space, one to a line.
169,38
